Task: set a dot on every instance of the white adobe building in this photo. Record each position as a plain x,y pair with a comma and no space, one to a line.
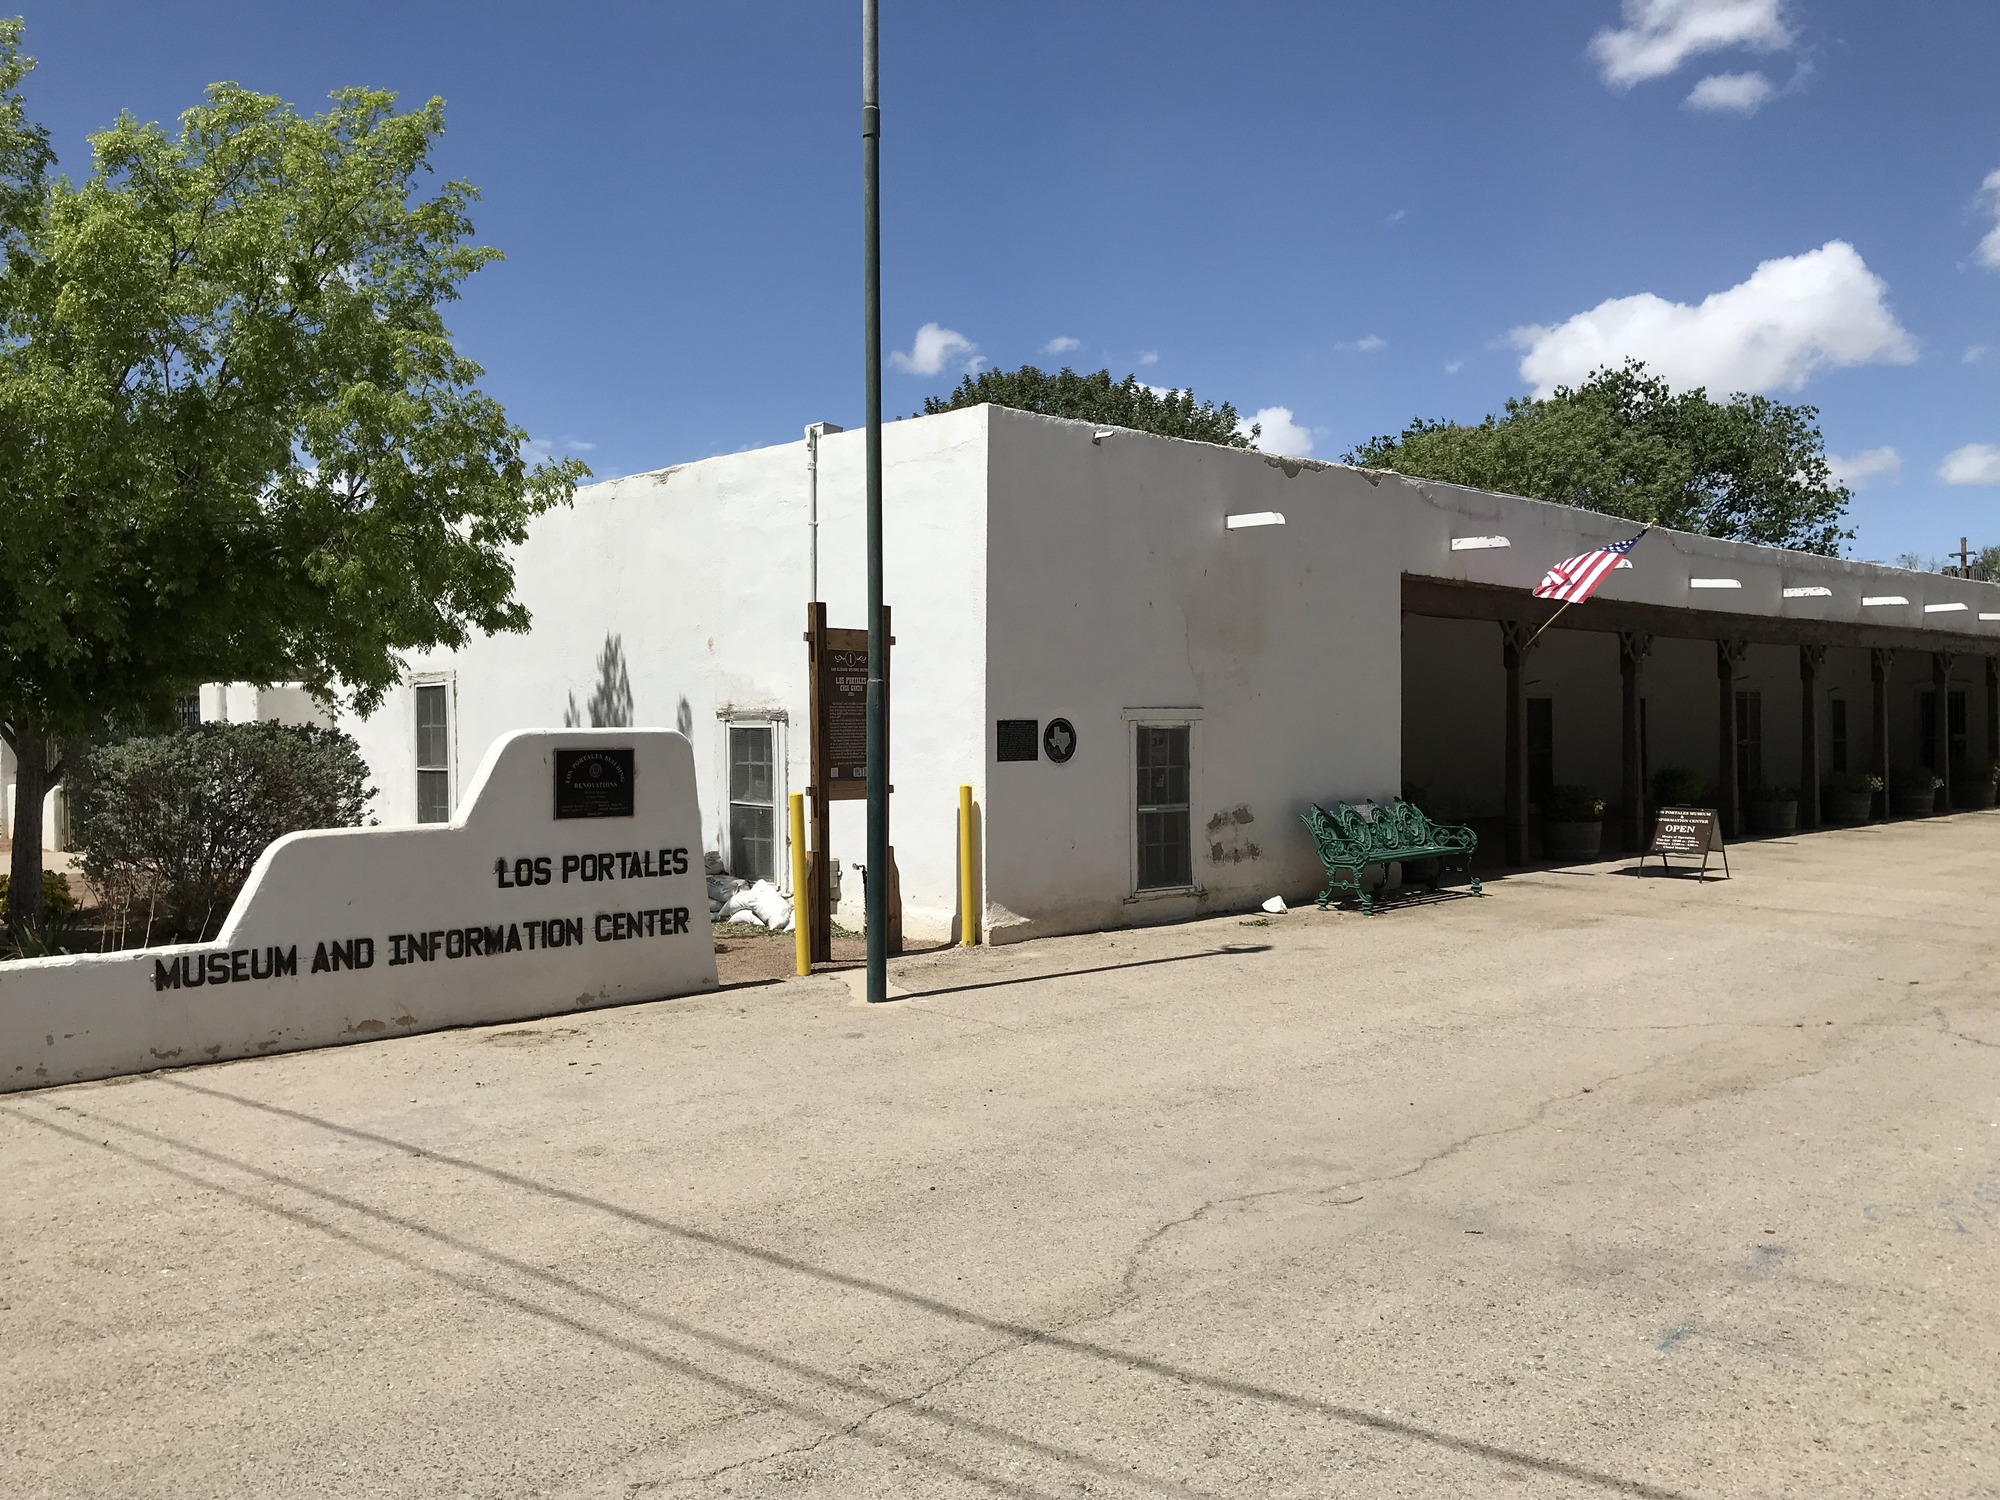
1039,569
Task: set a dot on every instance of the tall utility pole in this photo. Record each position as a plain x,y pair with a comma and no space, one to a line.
878,702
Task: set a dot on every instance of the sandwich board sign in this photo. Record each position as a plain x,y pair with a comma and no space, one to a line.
571,877
1689,832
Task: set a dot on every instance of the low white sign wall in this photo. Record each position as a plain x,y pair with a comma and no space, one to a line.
572,878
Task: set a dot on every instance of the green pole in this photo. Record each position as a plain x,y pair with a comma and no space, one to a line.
878,717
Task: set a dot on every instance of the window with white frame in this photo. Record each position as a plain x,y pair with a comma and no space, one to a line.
433,752
1163,760
753,801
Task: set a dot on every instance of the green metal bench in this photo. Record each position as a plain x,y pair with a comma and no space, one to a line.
1353,838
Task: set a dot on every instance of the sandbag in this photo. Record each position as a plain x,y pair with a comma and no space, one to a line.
772,909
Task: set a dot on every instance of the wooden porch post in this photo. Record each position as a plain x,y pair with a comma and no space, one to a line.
1514,638
1993,708
1941,724
1728,795
1633,647
1810,658
1880,660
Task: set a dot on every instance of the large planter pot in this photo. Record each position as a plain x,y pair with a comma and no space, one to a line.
1849,807
1972,793
1572,840
1774,817
1913,804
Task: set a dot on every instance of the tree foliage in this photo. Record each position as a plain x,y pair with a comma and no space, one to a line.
1749,469
1098,398
237,442
179,819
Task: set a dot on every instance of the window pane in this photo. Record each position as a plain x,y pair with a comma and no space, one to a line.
750,765
1165,851
1163,766
187,711
1165,858
433,740
753,851
433,796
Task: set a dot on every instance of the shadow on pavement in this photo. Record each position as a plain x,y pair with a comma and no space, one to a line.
1227,950
1018,1335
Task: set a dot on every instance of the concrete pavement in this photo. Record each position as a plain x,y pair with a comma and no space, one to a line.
1596,1186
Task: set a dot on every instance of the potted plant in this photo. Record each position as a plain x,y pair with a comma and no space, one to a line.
1849,796
1774,809
1973,782
1677,786
1913,791
1572,823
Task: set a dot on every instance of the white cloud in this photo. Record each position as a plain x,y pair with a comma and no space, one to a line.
1453,366
1150,357
1659,35
933,348
1821,310
1398,216
1730,93
1857,469
1989,247
1975,463
1061,344
1281,435
1976,353
577,445
1369,344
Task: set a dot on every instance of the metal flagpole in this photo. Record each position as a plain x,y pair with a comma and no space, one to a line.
878,716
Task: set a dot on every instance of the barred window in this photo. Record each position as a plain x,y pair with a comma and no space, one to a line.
434,752
753,802
1165,832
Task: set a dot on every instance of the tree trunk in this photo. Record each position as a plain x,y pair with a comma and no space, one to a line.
31,785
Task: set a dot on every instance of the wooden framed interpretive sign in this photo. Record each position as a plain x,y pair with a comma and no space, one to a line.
837,673
1688,832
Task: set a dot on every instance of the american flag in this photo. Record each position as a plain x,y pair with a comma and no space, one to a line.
1576,580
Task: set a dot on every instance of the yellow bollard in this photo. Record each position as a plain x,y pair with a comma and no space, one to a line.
968,875
801,929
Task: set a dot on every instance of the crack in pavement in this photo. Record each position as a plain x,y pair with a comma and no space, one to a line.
1945,1026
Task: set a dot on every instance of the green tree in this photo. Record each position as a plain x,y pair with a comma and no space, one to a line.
1098,398
237,442
1750,469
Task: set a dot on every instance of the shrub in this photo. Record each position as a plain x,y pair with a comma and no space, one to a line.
57,902
184,816
1852,783
1677,786
1914,781
1572,804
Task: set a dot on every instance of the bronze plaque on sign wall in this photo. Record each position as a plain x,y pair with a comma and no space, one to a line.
594,783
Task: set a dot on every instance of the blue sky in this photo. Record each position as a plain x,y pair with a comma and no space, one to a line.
1355,213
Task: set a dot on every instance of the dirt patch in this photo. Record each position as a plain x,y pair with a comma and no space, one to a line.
747,956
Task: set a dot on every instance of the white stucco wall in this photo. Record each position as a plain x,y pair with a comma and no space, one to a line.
702,571
1037,573
1115,587
1663,565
